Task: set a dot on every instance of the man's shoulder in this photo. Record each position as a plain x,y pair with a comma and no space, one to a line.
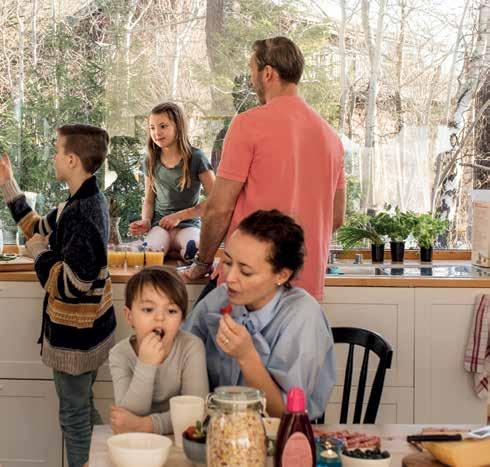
251,114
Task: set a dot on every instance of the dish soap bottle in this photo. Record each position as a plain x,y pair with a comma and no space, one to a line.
295,446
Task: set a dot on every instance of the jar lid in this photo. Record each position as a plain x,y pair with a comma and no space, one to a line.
237,395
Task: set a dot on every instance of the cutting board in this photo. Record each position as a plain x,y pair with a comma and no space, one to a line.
21,263
420,459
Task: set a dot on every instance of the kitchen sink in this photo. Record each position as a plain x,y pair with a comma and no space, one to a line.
354,270
429,270
451,270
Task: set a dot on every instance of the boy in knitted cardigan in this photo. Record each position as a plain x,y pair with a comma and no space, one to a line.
69,246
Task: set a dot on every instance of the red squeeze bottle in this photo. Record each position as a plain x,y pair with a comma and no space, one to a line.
226,310
295,446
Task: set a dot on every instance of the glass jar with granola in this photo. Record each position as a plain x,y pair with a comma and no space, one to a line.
236,434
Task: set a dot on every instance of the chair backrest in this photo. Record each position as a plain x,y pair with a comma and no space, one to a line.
372,342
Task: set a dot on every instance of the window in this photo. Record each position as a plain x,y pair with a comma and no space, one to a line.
410,102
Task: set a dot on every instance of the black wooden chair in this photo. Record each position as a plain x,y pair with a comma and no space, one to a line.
372,342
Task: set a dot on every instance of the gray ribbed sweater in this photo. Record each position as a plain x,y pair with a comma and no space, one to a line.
146,389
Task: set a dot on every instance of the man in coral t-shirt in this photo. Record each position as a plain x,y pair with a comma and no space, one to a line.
280,155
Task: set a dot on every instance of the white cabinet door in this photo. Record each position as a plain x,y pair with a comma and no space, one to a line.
396,405
29,431
444,392
385,310
20,318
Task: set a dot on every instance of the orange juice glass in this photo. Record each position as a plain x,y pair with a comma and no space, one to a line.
154,257
115,257
135,258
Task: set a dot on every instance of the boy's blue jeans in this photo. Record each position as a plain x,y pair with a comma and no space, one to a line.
77,413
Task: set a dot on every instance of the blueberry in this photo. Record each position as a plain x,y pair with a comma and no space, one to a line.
385,454
369,452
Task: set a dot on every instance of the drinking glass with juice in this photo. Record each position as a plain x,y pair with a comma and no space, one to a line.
116,256
135,258
154,257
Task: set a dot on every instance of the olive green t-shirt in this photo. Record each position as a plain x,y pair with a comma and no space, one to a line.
169,199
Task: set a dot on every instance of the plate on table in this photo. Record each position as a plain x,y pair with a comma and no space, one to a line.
13,262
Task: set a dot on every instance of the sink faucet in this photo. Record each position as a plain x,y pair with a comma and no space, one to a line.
358,258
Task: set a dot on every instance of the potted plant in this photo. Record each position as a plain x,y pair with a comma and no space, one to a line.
364,227
398,226
425,231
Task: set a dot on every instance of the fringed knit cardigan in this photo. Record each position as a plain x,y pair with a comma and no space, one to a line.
78,317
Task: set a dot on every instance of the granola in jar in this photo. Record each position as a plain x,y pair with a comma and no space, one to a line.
236,434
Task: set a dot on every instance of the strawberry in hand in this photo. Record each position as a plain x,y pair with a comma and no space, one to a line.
226,310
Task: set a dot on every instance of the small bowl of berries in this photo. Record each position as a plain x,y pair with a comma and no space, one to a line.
365,458
194,443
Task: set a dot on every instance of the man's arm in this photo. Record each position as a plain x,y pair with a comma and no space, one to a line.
338,209
217,216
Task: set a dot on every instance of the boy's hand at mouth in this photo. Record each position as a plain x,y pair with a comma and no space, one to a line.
152,350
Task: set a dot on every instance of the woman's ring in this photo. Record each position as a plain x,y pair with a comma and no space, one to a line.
225,340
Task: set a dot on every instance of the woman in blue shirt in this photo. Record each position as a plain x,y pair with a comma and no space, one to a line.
276,336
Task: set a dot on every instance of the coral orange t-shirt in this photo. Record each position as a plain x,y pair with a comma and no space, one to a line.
289,159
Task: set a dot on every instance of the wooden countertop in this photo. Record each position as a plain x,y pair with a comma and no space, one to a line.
118,275
121,275
432,282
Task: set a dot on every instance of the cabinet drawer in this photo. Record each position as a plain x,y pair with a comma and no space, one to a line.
29,430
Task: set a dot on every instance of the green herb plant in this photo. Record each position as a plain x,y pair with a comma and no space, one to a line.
362,227
398,225
427,228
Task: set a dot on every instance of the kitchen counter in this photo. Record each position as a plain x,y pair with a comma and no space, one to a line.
121,275
118,275
370,279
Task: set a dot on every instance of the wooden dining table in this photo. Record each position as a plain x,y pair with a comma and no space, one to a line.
393,439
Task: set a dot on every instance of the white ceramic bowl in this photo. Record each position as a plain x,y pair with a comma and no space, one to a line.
348,461
138,449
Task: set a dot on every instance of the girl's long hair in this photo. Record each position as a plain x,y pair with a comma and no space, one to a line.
184,147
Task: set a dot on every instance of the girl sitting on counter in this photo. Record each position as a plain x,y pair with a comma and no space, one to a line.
257,328
174,173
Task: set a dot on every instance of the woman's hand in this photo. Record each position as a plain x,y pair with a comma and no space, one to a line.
140,227
234,339
170,221
123,421
153,349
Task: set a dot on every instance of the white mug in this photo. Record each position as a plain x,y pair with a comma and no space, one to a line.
185,411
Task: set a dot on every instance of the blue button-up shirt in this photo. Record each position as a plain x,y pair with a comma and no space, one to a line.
291,334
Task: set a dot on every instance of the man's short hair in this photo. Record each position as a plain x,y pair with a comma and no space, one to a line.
89,143
283,55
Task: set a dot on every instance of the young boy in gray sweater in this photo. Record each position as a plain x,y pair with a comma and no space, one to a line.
159,361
